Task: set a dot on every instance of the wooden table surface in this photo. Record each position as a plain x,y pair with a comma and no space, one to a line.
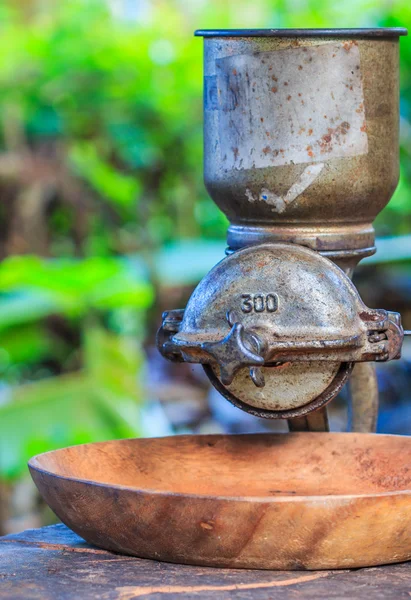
53,563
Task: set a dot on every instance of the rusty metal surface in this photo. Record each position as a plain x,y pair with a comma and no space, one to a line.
316,421
320,396
275,322
364,398
301,154
288,121
298,304
287,386
365,32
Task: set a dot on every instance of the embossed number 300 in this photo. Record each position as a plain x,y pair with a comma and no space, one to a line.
259,303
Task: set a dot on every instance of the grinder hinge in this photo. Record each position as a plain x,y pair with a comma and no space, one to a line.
381,340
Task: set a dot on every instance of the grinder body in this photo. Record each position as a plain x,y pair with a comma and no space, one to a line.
301,154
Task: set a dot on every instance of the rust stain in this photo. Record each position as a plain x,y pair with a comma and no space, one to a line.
349,44
289,97
310,151
274,90
131,592
234,71
235,152
282,366
310,132
369,316
267,150
274,78
333,135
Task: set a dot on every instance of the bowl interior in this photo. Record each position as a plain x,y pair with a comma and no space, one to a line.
295,464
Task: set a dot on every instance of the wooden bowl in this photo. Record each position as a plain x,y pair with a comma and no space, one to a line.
287,501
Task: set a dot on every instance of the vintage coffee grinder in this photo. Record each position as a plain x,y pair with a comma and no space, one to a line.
301,154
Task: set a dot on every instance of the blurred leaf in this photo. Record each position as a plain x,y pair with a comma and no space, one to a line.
25,344
118,188
112,361
26,306
102,402
33,288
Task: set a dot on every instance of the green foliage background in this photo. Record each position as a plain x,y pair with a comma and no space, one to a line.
100,163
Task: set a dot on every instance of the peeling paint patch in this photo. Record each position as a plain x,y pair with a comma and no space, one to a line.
279,203
249,195
307,177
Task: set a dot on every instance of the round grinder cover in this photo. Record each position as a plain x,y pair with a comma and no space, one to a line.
289,297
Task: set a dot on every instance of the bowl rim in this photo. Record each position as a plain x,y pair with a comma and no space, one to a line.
34,466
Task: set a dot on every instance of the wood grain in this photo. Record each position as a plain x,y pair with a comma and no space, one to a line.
288,502
53,563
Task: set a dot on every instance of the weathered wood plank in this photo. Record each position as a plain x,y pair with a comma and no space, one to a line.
53,563
52,536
